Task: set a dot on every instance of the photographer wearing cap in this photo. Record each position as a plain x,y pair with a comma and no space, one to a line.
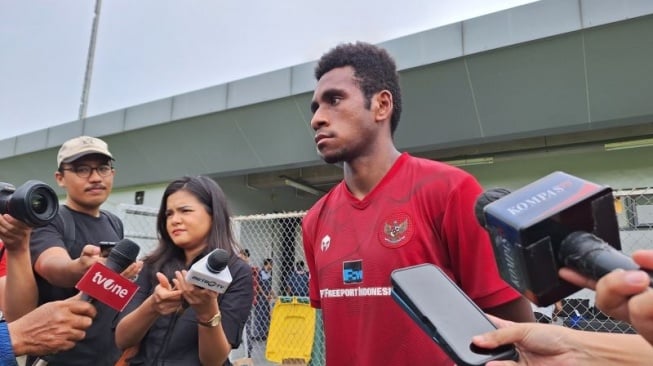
66,248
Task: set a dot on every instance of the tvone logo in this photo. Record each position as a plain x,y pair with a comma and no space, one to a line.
109,285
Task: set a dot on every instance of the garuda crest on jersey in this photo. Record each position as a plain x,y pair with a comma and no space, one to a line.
396,230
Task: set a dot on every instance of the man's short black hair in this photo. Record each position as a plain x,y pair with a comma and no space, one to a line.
374,68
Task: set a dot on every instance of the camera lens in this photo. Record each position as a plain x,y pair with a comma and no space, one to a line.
34,203
39,203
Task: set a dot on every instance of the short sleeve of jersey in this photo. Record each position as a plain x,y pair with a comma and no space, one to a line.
472,256
313,287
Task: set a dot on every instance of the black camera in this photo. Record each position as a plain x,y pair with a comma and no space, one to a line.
34,202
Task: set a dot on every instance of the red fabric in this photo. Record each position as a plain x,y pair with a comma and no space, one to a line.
3,261
420,212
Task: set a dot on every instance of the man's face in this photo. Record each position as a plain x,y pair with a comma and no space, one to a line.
343,124
91,191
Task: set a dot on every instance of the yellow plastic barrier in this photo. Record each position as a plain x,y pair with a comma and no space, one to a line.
292,329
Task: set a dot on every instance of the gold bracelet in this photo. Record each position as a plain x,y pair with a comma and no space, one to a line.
213,322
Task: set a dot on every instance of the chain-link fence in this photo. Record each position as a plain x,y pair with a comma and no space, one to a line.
282,323
140,225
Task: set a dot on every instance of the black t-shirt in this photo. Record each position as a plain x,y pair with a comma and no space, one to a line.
98,347
173,339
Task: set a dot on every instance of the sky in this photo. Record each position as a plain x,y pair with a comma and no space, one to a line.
152,49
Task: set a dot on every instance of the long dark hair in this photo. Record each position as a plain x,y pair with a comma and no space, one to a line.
167,257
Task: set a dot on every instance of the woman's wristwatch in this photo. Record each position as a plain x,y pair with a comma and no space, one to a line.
213,322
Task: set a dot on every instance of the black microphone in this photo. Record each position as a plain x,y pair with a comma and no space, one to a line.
485,199
593,257
527,228
121,256
217,260
582,251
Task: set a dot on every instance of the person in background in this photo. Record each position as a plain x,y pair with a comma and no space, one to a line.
264,296
391,210
172,321
245,255
298,280
64,249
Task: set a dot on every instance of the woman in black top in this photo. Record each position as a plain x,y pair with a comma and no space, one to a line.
172,321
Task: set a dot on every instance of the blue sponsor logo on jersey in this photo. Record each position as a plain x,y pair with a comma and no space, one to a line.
352,272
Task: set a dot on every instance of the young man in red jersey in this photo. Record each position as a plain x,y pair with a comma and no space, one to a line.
391,210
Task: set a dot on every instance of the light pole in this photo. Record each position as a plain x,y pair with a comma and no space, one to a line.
89,62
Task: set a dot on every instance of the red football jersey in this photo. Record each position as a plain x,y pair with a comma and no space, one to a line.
422,211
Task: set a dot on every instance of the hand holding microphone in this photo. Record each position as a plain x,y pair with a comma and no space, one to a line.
52,327
557,221
211,272
103,282
207,278
592,257
624,295
199,285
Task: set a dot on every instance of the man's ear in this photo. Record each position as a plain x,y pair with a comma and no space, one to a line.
382,105
58,177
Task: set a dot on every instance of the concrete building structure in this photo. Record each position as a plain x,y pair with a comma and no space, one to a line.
509,96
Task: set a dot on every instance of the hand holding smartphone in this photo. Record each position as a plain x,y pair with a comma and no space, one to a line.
446,314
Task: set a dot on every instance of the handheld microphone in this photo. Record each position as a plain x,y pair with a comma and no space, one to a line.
123,254
211,272
485,199
531,232
593,257
103,282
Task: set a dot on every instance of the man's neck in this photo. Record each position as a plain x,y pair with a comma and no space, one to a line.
91,211
364,173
